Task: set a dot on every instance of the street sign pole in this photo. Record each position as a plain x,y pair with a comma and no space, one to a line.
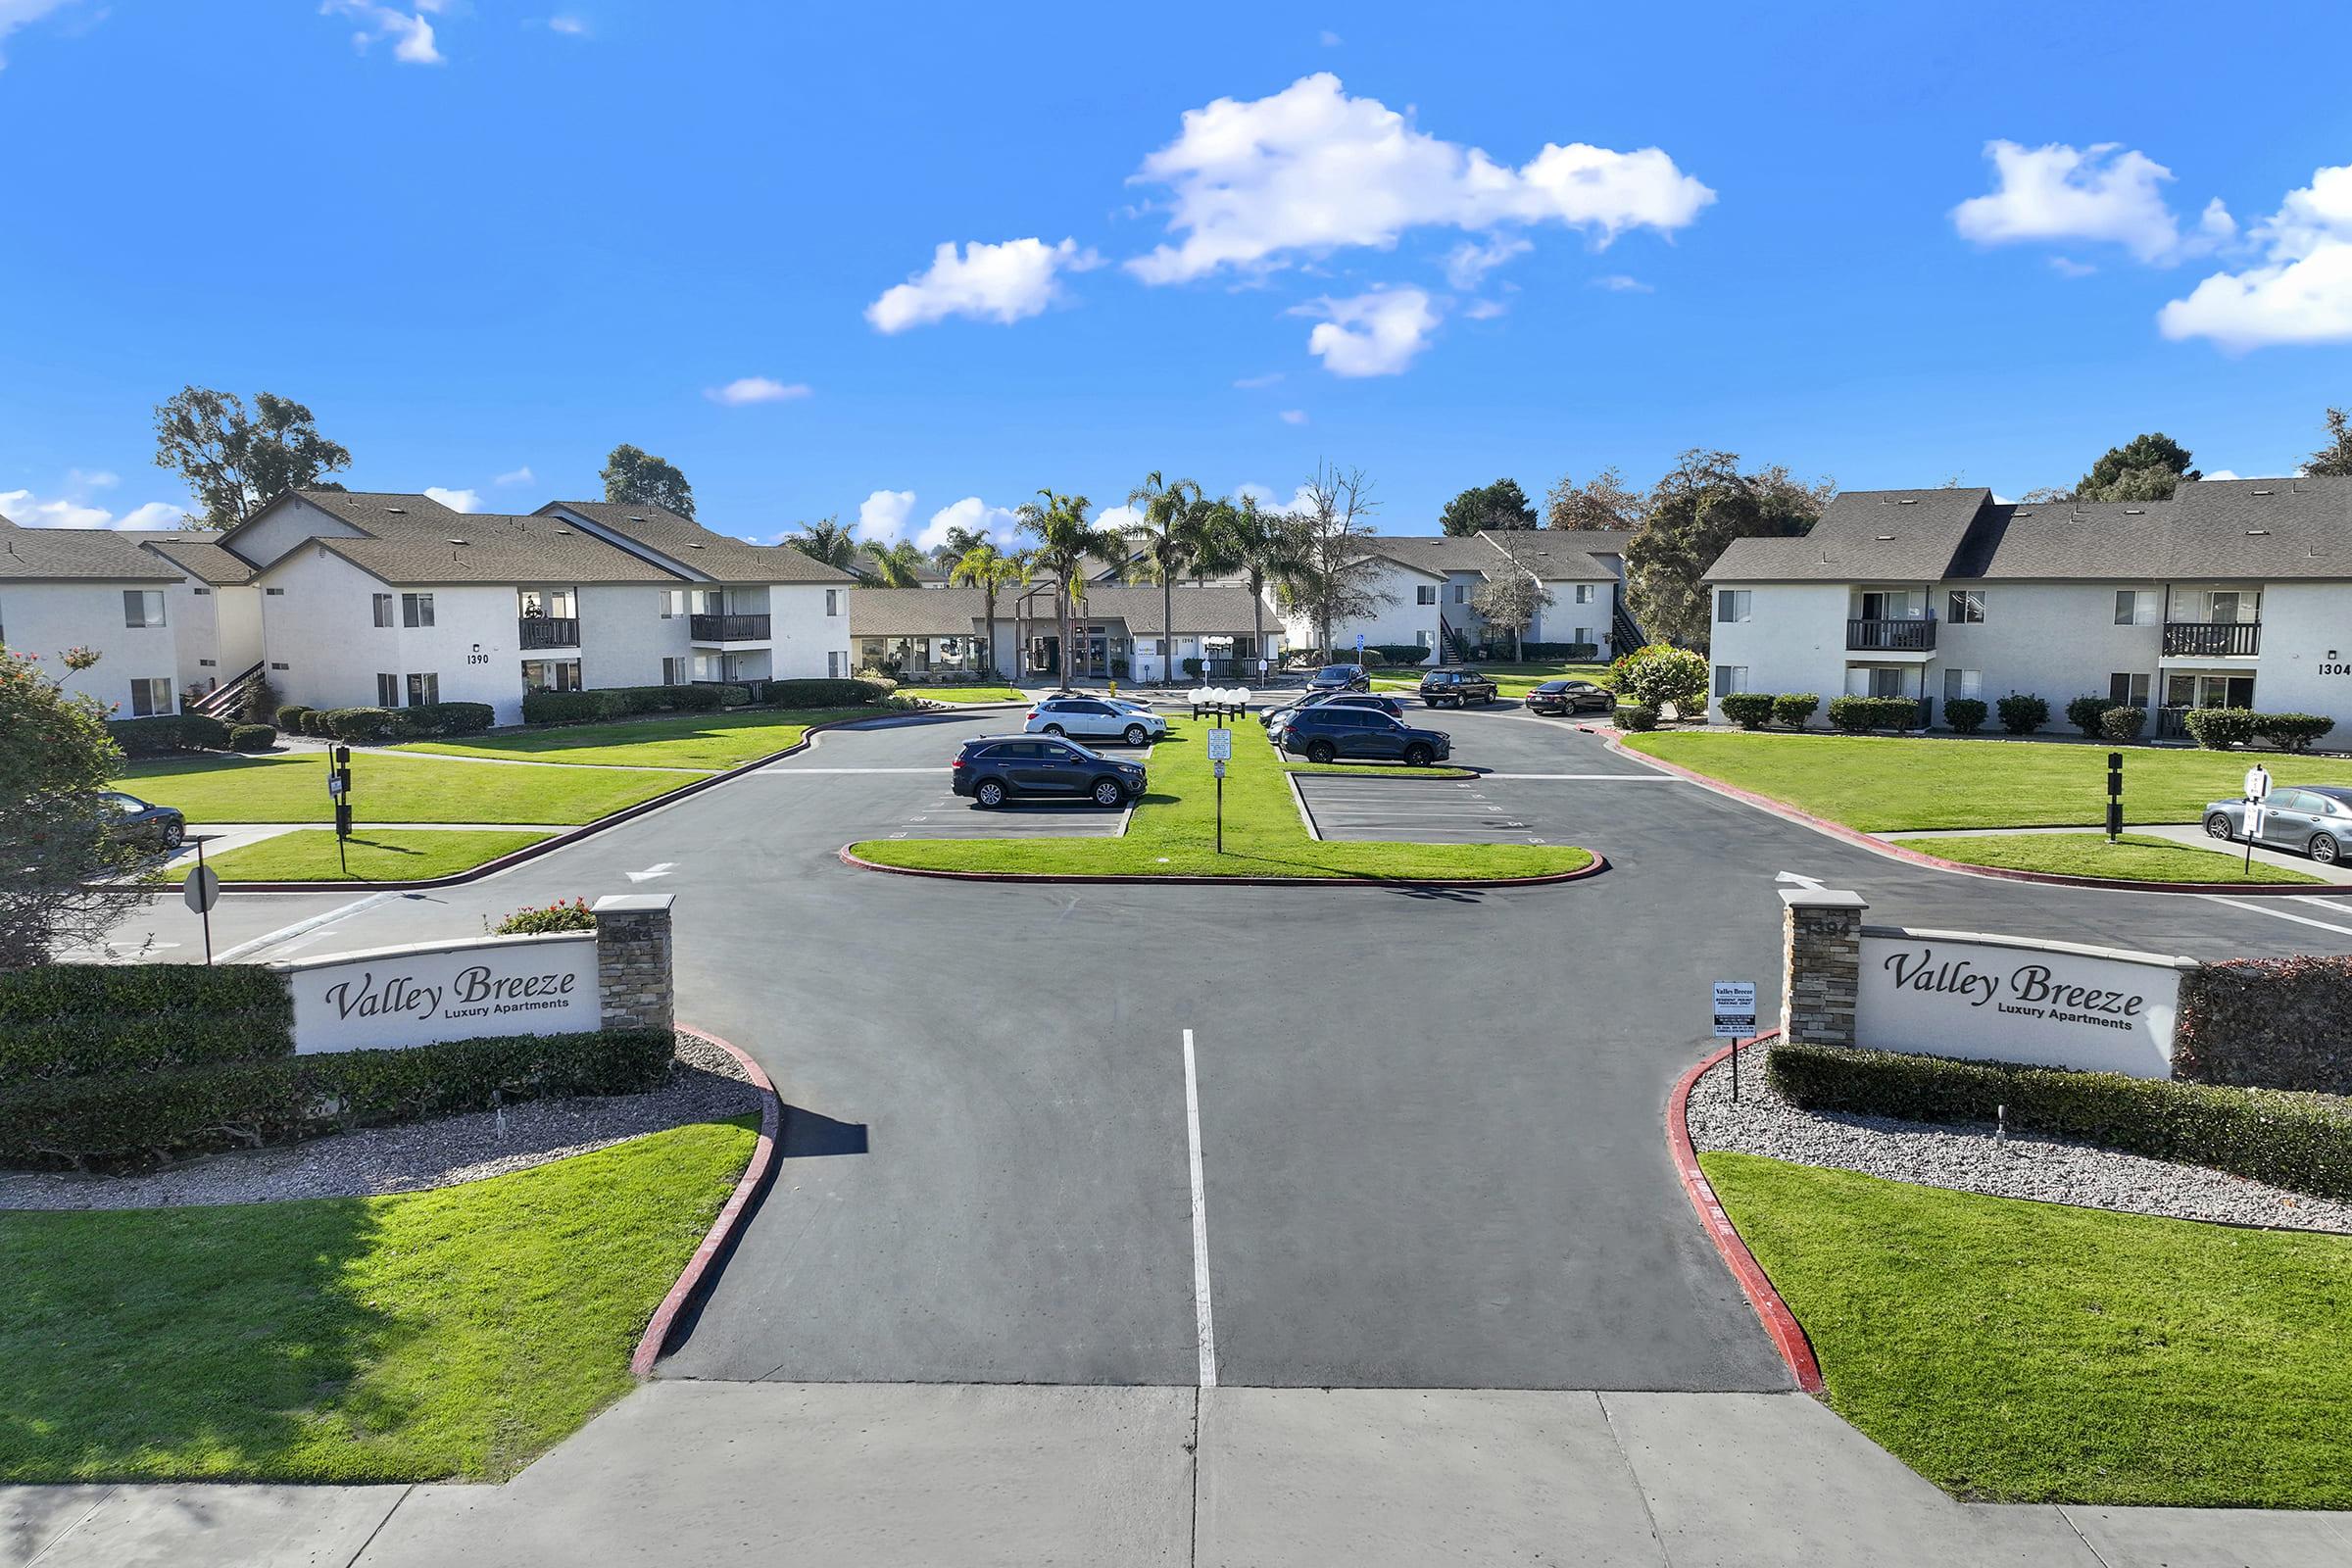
1220,768
2115,796
2258,790
338,790
1220,751
1735,1020
205,910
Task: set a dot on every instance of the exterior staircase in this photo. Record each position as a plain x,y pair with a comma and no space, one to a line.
226,698
1457,645
1625,633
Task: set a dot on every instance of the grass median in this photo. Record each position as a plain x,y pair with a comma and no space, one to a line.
388,787
704,741
2133,858
457,1333
2016,1352
964,694
379,855
1896,783
1173,833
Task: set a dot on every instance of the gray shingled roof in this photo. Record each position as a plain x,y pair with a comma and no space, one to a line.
1598,540
408,542
200,554
1549,555
952,612
1863,536
78,555
722,558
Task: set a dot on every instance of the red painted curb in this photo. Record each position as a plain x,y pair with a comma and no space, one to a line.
1599,865
1787,1335
731,1219
1895,851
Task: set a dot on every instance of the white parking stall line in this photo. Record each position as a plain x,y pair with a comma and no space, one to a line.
1203,1318
302,927
787,770
2281,915
1594,778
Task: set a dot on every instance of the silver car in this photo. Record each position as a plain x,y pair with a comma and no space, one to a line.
2310,819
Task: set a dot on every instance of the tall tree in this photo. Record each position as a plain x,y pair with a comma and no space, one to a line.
1602,501
896,566
985,568
1485,506
1331,578
956,544
2146,467
64,887
1515,597
2335,457
1167,541
1262,547
1704,504
830,541
633,476
1067,541
235,463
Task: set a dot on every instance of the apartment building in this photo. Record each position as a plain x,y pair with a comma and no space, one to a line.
215,612
1118,633
1427,584
81,588
2235,593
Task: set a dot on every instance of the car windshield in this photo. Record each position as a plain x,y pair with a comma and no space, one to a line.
1554,686
1334,672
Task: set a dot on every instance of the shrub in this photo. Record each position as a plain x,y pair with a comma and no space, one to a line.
360,724
2122,725
1662,673
2022,715
536,921
1636,716
314,722
447,718
564,707
259,705
1399,652
1966,714
2292,732
251,737
1748,710
1535,652
290,717
166,733
2217,729
2296,1141
2276,1024
2084,714
64,1020
1796,708
1855,715
826,692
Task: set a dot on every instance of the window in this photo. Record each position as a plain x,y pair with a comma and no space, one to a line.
149,698
551,675
204,593
2134,607
1967,606
208,663
1887,681
1960,683
423,689
273,593
833,662
387,691
673,603
832,601
2127,691
1734,605
1429,639
415,609
1461,592
143,607
383,609
553,604
1584,634
673,671
1730,678
281,667
1425,593
1584,593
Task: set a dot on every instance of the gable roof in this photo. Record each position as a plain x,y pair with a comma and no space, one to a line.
955,612
1863,536
1549,555
199,554
414,540
694,550
1598,540
78,555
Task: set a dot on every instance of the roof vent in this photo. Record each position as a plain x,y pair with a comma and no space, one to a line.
636,519
1885,538
1908,501
2135,512
563,533
692,546
2261,492
456,541
398,511
2256,533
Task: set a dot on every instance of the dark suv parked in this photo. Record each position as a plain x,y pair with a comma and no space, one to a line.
1328,732
1570,696
996,768
1340,678
1456,686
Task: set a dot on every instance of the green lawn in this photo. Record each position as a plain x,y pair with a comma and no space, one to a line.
1172,832
388,787
964,694
2135,857
1892,783
1511,680
381,855
2032,1352
704,741
457,1333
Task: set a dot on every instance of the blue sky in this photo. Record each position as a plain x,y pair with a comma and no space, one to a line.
481,238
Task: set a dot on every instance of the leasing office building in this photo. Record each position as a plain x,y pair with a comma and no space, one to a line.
2235,593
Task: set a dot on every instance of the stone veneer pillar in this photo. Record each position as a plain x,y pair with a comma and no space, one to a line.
1820,964
633,960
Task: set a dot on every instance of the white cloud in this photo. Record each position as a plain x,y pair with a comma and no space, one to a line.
522,475
15,13
2067,266
71,511
882,516
1268,499
92,478
1330,39
2222,474
1485,310
1621,283
1002,525
2104,193
1294,415
2301,290
755,390
1250,383
1371,335
1000,283
570,26
456,500
1312,171
1469,261
412,36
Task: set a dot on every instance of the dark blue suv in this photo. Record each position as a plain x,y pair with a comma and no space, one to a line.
996,768
1331,731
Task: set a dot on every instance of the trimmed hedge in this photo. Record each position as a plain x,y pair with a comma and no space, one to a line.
1965,715
251,737
1748,710
1855,715
115,1122
166,733
290,717
2122,725
2217,729
2022,715
74,1020
1537,652
365,724
623,702
314,722
447,718
2301,1142
2085,713
1636,716
2292,732
2274,1023
820,690
1796,708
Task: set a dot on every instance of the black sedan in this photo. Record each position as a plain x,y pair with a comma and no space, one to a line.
143,822
1571,697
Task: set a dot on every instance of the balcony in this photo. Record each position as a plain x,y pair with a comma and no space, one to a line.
549,631
728,629
1891,636
2211,639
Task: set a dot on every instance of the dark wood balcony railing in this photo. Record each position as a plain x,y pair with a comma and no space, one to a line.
728,629
1891,636
550,631
2211,639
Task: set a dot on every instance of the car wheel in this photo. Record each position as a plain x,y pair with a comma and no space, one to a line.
989,792
1320,752
1053,729
1418,756
2324,848
174,832
1107,792
1135,734
2218,826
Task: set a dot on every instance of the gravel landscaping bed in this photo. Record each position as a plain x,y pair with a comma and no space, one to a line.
705,1084
1967,1158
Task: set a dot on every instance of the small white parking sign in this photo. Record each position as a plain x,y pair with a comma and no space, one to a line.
1735,1009
1220,746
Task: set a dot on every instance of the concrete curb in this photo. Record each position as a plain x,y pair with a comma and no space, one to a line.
724,1231
1787,1335
1894,850
1600,863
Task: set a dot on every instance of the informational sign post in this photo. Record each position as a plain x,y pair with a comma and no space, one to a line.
2258,790
1735,1018
1220,751
338,790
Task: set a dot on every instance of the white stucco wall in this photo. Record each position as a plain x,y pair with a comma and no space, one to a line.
802,634
43,619
2052,640
1399,620
295,521
2306,662
1793,641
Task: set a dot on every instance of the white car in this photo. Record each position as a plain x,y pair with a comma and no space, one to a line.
1094,718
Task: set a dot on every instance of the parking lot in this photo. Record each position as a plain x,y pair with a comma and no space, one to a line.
1416,811
947,815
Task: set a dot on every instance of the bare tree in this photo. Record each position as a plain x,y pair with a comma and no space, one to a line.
1513,598
1333,577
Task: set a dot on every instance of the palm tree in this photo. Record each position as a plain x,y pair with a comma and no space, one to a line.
1165,541
829,541
1067,540
896,566
1262,546
989,570
953,545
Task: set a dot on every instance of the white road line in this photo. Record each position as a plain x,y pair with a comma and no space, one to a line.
301,927
785,769
2299,919
2330,903
1596,778
1203,1318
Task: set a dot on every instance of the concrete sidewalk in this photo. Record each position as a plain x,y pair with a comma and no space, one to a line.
2189,835
897,1475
